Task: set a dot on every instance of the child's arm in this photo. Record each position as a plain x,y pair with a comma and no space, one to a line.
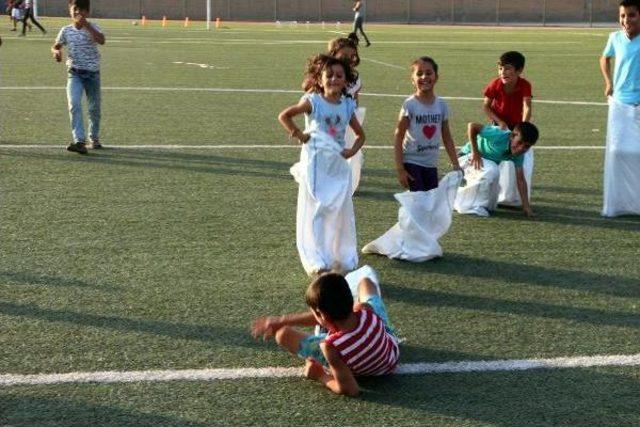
493,117
605,68
356,7
449,145
473,129
523,190
359,142
339,379
57,52
286,120
527,109
401,130
267,326
97,36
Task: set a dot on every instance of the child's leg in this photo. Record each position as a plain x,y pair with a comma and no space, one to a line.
74,98
355,277
367,289
92,88
289,338
365,286
33,19
303,345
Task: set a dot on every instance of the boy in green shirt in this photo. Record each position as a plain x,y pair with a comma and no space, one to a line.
487,147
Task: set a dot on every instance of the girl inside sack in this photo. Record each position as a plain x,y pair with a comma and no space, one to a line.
325,221
347,48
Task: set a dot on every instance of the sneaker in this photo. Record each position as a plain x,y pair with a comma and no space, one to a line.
96,145
77,147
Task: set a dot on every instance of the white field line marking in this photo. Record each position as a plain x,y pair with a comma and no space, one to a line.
385,64
208,66
261,146
261,91
9,380
262,42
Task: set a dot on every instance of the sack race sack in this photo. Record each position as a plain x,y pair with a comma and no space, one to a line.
622,161
325,220
509,194
423,218
480,193
356,161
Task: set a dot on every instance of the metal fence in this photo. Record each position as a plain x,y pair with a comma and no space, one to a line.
491,12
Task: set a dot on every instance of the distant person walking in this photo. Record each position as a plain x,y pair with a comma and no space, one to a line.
28,14
359,9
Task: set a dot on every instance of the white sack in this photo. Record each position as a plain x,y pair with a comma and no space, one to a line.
325,221
423,218
356,161
508,184
622,161
480,194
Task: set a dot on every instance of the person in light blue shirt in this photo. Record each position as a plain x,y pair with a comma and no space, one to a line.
624,45
621,194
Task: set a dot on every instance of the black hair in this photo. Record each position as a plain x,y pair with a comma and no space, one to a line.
516,59
631,3
428,60
528,132
330,294
80,4
317,64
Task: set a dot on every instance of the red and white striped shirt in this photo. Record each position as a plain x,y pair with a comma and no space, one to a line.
368,349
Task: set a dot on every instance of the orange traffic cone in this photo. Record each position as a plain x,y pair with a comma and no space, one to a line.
164,21
144,21
186,22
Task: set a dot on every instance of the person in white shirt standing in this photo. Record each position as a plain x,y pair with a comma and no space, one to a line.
83,63
358,20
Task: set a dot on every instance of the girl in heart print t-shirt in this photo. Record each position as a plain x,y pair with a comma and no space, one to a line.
423,123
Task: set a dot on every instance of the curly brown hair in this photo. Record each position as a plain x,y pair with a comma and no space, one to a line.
320,62
339,43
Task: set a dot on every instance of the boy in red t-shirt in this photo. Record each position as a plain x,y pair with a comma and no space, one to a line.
507,99
507,102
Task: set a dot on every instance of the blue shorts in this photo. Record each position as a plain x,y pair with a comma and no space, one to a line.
310,346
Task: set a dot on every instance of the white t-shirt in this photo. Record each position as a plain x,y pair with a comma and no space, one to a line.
82,49
422,139
360,12
355,87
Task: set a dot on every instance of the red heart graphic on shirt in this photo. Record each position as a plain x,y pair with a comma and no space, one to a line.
429,131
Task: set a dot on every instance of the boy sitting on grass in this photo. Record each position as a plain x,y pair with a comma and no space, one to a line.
360,340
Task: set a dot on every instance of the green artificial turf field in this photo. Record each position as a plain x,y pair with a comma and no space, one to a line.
156,252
